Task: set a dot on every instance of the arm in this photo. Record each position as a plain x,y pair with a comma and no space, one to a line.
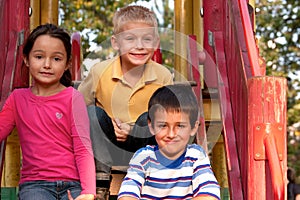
7,118
82,145
134,179
204,180
122,130
127,198
205,197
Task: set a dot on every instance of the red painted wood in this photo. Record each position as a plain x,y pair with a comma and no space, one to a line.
76,56
249,39
235,52
194,75
229,133
267,107
14,22
212,21
157,56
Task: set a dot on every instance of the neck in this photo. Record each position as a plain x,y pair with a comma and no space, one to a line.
133,75
41,90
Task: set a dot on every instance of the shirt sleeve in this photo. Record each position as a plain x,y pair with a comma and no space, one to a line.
88,86
169,80
7,118
204,180
82,145
134,179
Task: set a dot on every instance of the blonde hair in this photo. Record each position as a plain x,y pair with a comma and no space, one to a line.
134,13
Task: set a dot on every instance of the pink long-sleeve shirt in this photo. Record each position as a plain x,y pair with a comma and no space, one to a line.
54,136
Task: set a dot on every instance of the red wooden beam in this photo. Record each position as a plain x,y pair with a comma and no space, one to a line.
267,147
76,56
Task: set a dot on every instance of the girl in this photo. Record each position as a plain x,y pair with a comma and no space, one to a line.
52,123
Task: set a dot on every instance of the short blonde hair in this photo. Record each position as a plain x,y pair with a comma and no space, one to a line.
134,13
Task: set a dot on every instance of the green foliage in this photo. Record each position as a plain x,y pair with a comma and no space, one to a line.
279,31
278,26
93,19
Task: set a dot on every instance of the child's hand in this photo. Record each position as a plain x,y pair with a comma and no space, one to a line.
81,197
121,130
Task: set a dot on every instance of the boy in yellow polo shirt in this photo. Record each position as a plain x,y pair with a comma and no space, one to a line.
117,91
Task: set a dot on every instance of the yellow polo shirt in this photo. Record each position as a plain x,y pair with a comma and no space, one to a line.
106,87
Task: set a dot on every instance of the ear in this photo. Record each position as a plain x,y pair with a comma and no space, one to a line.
114,43
151,128
68,65
195,129
26,62
157,43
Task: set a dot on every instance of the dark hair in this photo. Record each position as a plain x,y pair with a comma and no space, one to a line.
55,32
178,98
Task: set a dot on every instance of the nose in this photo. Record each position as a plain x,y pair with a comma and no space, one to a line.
172,133
47,63
139,43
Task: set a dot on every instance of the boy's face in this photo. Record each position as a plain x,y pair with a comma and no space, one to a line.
172,132
136,44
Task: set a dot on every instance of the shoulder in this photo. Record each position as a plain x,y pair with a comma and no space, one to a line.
146,151
195,150
159,67
21,92
99,67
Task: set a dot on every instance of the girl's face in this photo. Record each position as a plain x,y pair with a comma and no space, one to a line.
172,132
136,44
47,60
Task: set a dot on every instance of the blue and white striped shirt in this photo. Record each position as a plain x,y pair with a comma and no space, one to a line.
152,176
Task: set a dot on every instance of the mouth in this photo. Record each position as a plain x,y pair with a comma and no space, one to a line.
46,73
139,55
170,141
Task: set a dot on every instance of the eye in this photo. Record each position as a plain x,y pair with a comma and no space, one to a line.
38,56
129,38
148,39
57,59
181,126
161,126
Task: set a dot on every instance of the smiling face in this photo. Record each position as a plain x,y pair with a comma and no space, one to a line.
47,60
172,130
136,44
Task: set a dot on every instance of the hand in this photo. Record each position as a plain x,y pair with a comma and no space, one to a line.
121,130
81,197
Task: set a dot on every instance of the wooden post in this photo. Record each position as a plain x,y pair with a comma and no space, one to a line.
183,27
49,11
267,145
12,164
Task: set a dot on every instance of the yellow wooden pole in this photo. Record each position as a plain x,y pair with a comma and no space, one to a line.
219,166
197,21
35,18
49,11
12,164
183,27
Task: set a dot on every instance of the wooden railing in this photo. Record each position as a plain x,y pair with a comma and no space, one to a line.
248,98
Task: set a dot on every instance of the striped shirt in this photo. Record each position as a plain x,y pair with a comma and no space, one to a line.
152,176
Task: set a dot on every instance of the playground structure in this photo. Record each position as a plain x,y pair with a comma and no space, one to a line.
247,107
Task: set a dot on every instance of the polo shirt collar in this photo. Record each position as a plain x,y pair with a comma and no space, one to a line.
149,73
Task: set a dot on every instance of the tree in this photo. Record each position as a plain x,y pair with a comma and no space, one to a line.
279,31
93,19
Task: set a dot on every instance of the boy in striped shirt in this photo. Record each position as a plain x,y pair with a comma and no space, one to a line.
172,169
